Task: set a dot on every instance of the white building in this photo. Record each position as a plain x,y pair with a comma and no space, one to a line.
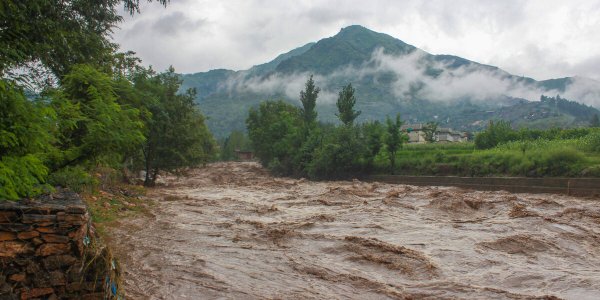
443,135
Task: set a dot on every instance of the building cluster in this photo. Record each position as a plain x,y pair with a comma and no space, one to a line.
416,134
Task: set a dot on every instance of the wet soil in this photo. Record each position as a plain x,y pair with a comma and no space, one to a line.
231,231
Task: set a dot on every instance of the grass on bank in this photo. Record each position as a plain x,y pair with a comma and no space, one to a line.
105,192
576,157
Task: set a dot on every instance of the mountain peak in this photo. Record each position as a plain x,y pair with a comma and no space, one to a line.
355,28
353,45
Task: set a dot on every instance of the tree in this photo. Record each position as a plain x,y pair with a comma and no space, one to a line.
373,134
59,34
345,105
340,155
176,135
429,129
308,97
595,122
25,138
393,139
273,128
93,127
236,140
496,132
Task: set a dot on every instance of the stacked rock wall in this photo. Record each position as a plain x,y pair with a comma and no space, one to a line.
48,250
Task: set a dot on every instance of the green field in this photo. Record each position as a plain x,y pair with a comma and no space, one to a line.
576,157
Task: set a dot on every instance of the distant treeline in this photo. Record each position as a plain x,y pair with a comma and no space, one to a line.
289,141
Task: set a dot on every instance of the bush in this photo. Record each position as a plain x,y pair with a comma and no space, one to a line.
341,155
274,129
591,142
496,133
21,177
25,139
75,178
558,161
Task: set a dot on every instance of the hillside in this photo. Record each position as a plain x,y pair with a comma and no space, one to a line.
390,76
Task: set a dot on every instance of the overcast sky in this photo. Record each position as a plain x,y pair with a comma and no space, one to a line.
542,39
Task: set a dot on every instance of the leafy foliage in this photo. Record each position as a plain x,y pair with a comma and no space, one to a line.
237,140
276,131
373,133
496,132
273,129
92,115
393,139
176,135
345,105
429,129
332,152
59,34
25,138
93,127
340,155
308,98
76,178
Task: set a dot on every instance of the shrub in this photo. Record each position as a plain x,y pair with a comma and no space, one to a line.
591,142
75,178
21,177
341,155
496,133
557,161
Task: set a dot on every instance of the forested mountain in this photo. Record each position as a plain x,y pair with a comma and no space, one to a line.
390,76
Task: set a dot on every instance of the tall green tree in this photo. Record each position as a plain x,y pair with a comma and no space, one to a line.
373,134
25,139
274,129
176,134
308,97
393,139
93,127
345,105
340,156
58,34
87,115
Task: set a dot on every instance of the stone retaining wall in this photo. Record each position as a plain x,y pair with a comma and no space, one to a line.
46,247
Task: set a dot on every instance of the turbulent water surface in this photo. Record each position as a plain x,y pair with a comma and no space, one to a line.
231,231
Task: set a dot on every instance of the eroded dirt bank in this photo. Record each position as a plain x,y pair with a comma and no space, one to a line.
231,231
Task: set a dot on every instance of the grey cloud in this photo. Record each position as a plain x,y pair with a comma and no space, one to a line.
202,35
469,81
177,22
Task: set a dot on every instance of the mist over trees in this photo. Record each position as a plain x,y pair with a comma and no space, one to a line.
70,103
278,134
283,142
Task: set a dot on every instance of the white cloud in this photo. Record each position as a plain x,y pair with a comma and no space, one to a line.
537,38
470,81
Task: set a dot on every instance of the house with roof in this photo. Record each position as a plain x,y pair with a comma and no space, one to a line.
416,134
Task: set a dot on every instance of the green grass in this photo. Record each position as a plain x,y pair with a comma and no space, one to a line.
538,158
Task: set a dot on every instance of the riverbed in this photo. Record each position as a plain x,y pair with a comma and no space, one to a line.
232,231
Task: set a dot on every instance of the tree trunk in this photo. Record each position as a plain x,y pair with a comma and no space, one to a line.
392,162
154,175
147,180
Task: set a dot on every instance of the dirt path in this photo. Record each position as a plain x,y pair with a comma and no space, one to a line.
231,231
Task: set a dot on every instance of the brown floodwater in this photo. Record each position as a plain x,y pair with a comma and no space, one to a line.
232,231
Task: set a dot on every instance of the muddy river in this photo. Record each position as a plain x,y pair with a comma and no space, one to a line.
231,231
